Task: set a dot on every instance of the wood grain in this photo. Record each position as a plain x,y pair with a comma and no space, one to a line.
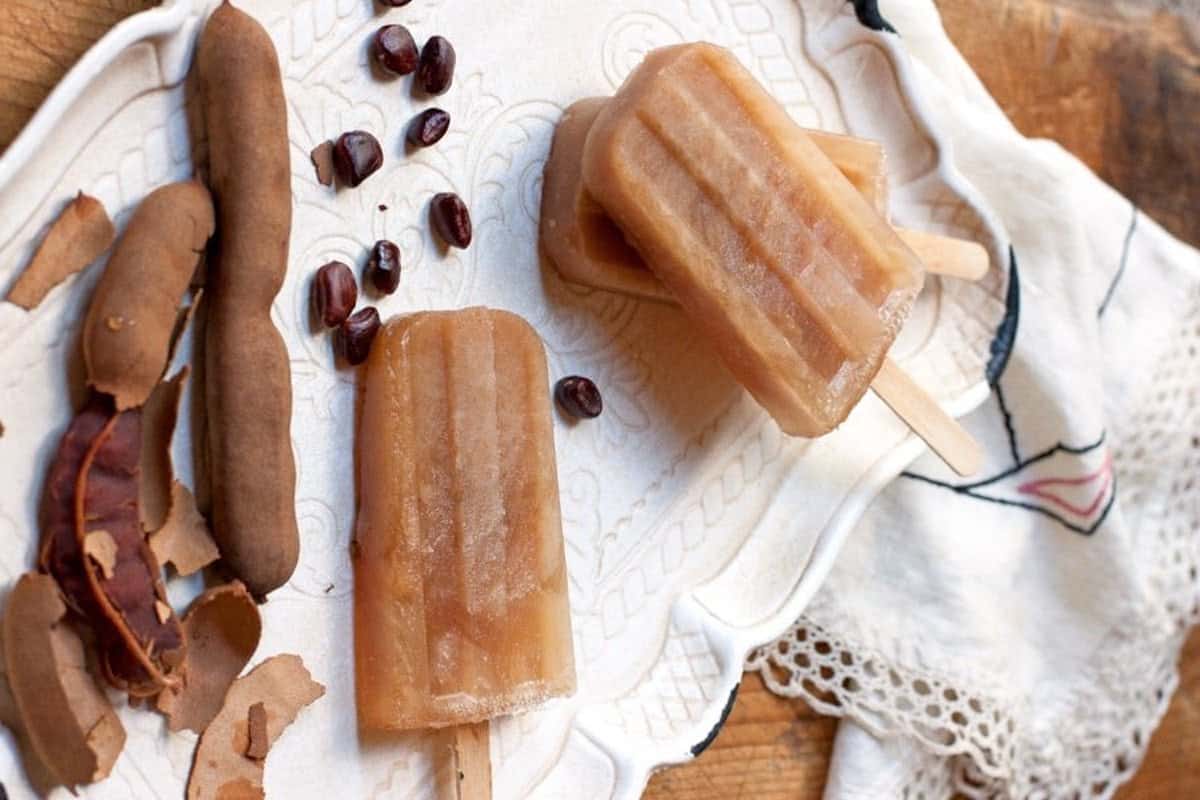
39,41
1116,81
771,748
1171,770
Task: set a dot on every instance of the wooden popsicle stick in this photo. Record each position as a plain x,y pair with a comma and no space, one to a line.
921,412
945,255
467,763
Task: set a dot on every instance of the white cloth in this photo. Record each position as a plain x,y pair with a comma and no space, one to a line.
1016,635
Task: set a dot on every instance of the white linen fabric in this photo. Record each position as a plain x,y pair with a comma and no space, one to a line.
1015,635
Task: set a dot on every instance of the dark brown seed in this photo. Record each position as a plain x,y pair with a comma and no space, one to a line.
357,155
579,397
396,50
436,71
383,268
395,3
451,219
334,293
354,337
428,128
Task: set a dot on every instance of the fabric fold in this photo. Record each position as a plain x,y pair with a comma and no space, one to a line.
1018,632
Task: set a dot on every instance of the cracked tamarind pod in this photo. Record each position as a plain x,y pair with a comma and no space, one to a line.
92,545
60,554
127,331
92,541
141,641
248,387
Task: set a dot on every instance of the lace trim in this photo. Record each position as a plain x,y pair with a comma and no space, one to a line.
931,780
838,677
994,748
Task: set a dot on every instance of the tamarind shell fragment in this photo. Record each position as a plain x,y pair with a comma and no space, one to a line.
78,237
223,629
68,725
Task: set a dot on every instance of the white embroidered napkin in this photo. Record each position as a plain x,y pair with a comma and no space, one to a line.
1015,635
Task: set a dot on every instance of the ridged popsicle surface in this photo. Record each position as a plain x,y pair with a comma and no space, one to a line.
461,609
796,278
588,248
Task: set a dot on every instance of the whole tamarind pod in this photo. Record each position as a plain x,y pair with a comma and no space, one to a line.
127,331
248,386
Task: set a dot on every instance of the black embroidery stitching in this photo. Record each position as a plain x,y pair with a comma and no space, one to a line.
970,489
962,490
1008,425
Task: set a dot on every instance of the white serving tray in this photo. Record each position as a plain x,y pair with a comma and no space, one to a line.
695,530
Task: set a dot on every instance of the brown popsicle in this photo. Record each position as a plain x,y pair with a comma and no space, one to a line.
589,249
577,234
798,281
460,580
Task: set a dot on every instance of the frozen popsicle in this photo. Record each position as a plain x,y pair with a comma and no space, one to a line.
798,281
862,161
588,248
460,581
577,234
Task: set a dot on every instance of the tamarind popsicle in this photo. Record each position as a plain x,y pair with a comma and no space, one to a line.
589,249
460,597
797,280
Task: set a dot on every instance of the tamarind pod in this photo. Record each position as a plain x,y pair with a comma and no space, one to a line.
59,554
92,486
141,641
129,323
247,371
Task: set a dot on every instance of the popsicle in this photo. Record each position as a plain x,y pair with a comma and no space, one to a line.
588,248
577,234
797,280
460,599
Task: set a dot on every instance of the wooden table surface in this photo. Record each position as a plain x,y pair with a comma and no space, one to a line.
1115,81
